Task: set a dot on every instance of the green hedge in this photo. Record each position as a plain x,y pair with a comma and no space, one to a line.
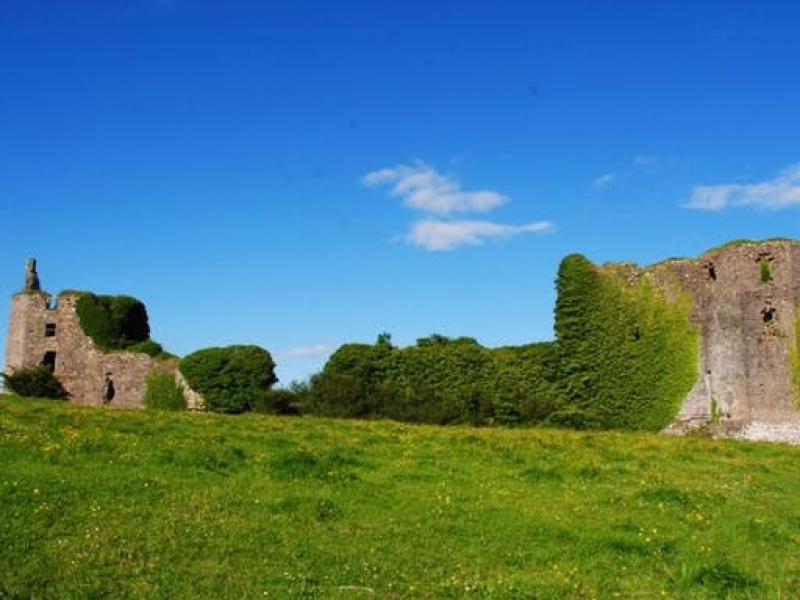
277,402
163,393
113,322
625,356
628,354
439,380
231,379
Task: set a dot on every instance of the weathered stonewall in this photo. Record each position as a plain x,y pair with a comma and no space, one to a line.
42,332
745,307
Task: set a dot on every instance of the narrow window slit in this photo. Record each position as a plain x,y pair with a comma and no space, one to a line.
768,314
108,389
711,269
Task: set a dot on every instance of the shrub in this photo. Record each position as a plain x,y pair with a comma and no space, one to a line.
338,395
507,413
151,348
439,380
231,379
35,382
164,393
113,322
569,416
278,402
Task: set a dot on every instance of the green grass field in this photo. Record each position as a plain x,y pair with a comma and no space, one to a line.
105,504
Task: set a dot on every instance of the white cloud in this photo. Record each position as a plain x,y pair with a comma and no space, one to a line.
440,197
605,180
423,188
778,193
438,236
315,351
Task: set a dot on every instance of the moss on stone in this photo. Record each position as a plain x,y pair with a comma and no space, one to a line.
766,271
794,358
743,242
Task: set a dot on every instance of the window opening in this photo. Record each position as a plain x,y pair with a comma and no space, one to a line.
768,314
49,360
108,389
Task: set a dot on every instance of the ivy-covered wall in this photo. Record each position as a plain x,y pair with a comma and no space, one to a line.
628,355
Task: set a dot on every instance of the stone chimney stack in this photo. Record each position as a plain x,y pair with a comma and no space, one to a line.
32,283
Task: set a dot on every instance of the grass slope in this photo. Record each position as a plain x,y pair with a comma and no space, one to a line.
105,504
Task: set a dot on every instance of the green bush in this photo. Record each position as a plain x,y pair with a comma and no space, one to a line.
278,402
231,379
163,393
151,348
338,395
439,380
35,382
113,322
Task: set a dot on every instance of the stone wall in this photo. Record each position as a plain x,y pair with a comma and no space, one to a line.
748,334
87,373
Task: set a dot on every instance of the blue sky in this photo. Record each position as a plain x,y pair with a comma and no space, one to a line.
302,174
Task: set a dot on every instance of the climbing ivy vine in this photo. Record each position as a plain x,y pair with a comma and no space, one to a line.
628,354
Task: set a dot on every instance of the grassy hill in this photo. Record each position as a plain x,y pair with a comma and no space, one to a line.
106,504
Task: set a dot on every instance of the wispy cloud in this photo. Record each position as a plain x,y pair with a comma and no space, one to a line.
783,191
423,188
439,236
440,197
605,180
641,165
315,351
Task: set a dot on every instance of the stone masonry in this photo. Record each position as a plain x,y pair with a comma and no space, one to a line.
748,334
47,332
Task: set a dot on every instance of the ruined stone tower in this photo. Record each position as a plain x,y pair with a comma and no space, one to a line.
47,332
746,298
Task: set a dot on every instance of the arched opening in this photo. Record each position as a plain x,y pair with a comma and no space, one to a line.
108,389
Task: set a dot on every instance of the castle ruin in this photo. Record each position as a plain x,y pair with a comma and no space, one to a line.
746,297
46,331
